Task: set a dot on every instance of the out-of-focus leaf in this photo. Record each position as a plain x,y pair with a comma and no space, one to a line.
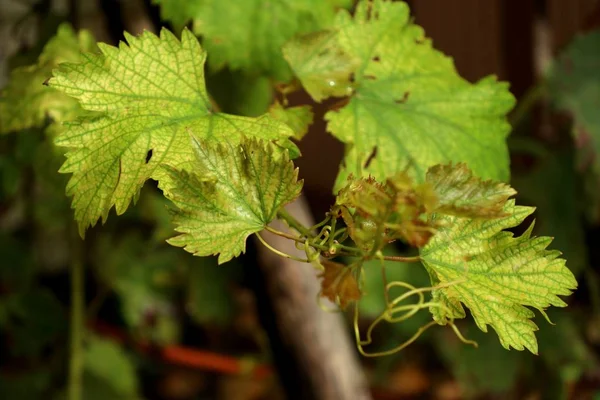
240,94
554,188
209,290
248,35
323,67
298,118
16,266
563,347
463,195
30,385
574,87
488,369
37,320
146,278
109,372
26,101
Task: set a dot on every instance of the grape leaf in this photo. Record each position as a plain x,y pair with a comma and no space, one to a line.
461,194
151,95
322,66
26,101
298,118
377,214
495,274
248,35
338,283
244,187
410,107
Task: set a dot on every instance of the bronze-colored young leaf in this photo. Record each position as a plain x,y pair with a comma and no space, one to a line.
338,283
377,214
232,192
461,194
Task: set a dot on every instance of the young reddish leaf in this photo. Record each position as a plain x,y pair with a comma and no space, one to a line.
377,214
461,194
339,284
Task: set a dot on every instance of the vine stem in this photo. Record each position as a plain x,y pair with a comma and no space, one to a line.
402,259
349,249
293,222
75,386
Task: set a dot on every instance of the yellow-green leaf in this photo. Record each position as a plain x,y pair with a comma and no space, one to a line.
495,274
151,97
233,192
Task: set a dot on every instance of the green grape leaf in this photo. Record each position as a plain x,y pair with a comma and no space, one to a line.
151,97
27,101
496,275
322,66
244,187
410,108
298,118
248,35
463,195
